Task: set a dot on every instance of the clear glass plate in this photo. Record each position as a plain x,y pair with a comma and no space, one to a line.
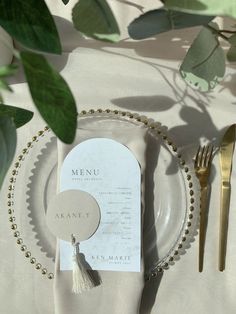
170,193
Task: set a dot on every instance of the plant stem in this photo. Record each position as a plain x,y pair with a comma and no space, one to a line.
227,31
216,31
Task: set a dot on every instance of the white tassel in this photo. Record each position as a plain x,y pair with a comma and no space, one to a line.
82,280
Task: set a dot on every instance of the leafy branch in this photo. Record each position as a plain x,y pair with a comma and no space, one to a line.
32,25
35,28
204,64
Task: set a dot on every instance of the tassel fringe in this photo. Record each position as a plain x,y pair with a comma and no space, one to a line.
82,281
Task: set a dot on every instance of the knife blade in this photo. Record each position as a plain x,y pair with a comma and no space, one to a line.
226,159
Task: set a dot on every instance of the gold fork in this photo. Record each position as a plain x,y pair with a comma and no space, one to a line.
202,166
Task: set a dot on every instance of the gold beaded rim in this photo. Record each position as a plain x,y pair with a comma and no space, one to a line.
149,124
10,204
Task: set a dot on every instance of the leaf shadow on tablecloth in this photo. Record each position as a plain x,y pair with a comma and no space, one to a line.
168,46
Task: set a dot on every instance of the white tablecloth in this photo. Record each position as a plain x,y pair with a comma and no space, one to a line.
142,77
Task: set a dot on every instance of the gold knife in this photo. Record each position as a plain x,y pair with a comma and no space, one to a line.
226,158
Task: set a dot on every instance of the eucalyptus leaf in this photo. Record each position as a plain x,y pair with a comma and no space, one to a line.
65,1
95,19
204,64
7,145
231,54
161,20
204,7
31,23
19,115
232,40
8,70
51,95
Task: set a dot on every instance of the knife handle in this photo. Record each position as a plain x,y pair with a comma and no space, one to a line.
224,217
202,226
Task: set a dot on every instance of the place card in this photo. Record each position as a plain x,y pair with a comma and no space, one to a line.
110,173
73,212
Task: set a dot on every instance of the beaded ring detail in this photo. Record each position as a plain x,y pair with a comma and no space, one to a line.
149,124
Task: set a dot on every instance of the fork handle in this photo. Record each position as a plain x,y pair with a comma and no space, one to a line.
202,227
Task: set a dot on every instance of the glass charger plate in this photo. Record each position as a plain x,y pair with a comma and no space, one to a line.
169,190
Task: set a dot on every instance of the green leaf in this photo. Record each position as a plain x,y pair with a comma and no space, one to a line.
204,63
65,1
161,20
231,54
51,95
19,115
7,145
31,23
204,7
8,70
95,19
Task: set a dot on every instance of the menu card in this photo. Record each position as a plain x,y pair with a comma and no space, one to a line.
108,171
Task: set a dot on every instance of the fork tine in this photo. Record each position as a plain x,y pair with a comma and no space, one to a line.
202,155
196,162
206,159
209,156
